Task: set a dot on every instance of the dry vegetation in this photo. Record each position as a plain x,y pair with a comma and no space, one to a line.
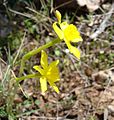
86,86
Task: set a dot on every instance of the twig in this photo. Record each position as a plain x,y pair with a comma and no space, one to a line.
43,117
103,25
18,52
63,4
23,14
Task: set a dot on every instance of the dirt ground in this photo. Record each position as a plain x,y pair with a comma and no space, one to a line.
86,86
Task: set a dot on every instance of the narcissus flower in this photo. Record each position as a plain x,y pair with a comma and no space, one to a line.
49,73
67,32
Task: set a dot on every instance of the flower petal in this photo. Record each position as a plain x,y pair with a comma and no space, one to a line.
44,61
53,72
39,69
64,25
53,75
71,34
58,31
73,49
54,86
54,63
58,16
43,84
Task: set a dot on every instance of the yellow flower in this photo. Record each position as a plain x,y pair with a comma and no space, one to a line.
67,32
49,73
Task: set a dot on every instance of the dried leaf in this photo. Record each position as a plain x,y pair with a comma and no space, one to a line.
92,5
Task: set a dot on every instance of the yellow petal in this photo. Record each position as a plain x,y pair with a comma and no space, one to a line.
54,63
73,50
39,69
53,72
54,87
58,16
78,39
64,25
71,34
43,84
58,31
43,61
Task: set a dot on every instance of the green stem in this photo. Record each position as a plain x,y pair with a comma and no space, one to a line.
33,52
28,76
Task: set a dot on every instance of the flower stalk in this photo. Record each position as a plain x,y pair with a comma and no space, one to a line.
33,52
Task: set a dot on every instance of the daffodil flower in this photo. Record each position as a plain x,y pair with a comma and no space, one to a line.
67,32
49,73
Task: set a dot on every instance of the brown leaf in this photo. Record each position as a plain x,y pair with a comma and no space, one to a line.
92,5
